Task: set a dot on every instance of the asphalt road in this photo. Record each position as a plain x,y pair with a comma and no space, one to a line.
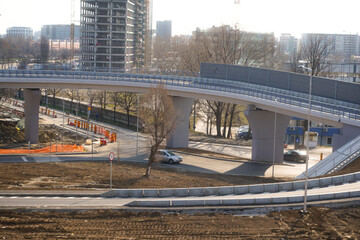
87,202
125,149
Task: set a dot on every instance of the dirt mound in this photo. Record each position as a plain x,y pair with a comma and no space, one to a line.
319,223
10,134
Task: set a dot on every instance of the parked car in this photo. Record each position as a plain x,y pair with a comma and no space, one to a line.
167,156
295,155
244,135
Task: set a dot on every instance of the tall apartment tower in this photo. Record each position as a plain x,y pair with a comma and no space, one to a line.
163,30
113,34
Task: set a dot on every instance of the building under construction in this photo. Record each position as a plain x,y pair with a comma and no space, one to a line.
115,34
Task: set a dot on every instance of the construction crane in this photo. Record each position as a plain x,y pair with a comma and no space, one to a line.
72,34
147,34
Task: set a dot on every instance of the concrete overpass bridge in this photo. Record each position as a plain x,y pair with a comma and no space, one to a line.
266,92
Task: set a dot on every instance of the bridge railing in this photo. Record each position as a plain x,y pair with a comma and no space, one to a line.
349,151
298,99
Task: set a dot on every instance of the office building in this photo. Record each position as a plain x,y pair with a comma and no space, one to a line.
163,30
60,32
346,45
24,32
288,44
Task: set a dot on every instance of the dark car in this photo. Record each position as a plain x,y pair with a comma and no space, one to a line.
295,155
244,135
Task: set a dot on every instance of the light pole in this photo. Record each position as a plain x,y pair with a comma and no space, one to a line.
274,146
307,140
137,127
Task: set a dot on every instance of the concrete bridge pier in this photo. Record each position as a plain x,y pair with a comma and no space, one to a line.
262,126
180,137
32,103
347,133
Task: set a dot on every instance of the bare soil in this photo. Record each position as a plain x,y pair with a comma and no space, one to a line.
319,223
85,175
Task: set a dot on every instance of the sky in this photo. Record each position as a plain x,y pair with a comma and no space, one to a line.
278,16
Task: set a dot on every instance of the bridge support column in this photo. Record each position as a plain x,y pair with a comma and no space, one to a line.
262,126
180,136
32,103
347,133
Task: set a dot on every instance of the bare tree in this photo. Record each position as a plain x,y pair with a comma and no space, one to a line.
158,114
71,93
316,52
44,50
127,101
53,92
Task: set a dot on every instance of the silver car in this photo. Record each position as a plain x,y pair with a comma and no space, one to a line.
167,156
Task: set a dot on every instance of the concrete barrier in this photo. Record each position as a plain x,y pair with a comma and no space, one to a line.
249,201
166,192
212,203
337,180
313,183
298,185
241,189
326,196
161,203
237,190
342,195
193,203
226,190
196,191
138,193
230,202
355,193
209,191
256,188
123,193
179,203
151,193
272,187
295,199
357,176
181,192
286,186
324,182
349,178
279,200
262,201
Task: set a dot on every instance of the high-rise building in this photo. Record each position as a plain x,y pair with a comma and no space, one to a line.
288,44
163,30
113,34
59,32
24,32
346,44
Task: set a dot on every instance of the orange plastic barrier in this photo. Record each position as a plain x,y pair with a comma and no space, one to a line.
54,148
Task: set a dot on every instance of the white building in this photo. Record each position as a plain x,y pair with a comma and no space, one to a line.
24,32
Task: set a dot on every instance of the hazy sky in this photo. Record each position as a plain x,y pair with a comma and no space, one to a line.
279,16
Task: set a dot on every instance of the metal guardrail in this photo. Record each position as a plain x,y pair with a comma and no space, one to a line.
235,87
336,161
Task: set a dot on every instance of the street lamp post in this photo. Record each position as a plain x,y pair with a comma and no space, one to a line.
274,146
307,140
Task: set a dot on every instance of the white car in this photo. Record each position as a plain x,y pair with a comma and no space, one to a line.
167,156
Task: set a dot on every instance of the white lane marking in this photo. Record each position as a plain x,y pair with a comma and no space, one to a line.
24,159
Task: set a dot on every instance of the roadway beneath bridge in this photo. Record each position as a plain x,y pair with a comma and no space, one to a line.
191,162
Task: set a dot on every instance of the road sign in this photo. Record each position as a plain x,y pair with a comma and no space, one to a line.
297,140
111,156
